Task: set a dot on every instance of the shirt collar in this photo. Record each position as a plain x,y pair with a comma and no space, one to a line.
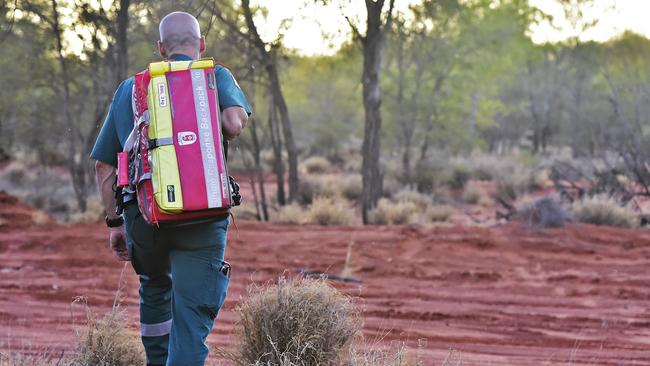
179,57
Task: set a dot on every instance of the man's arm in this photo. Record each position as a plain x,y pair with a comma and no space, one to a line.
105,176
233,120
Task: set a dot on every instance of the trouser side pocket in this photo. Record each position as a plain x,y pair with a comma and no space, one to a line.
217,288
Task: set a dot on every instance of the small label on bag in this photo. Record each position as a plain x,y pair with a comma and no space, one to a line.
224,186
171,196
162,95
186,138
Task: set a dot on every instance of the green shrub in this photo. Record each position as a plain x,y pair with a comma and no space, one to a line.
600,210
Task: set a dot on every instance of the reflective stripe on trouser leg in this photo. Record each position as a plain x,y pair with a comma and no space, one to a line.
156,330
155,338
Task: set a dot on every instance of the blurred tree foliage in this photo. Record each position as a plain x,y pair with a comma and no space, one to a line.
457,76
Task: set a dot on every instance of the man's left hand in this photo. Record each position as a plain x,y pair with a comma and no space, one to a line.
117,240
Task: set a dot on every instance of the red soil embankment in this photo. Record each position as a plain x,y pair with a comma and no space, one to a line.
501,296
15,214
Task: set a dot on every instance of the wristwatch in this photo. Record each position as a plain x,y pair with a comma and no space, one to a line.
114,222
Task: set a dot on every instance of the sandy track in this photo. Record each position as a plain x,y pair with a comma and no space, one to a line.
501,296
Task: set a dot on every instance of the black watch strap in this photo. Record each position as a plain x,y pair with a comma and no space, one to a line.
114,222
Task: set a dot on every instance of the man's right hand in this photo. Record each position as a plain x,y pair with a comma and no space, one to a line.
117,241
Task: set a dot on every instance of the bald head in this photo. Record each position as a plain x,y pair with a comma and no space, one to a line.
180,34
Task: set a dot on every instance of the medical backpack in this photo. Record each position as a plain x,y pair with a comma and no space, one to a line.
174,160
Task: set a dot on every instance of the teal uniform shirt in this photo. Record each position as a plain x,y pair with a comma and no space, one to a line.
119,120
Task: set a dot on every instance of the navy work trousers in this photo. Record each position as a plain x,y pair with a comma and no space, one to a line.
183,284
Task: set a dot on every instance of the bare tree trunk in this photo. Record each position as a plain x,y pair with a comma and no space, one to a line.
373,41
257,155
278,166
122,41
287,130
401,108
75,167
258,171
269,60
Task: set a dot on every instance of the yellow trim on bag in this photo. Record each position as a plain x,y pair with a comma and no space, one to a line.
162,67
204,63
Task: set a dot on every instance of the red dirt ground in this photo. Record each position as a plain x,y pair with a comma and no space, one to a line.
500,296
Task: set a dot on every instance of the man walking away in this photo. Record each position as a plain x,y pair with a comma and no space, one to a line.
183,276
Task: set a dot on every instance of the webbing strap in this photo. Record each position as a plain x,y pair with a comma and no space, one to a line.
144,118
154,143
145,176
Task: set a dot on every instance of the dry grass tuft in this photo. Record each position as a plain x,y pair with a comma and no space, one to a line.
511,187
328,211
289,214
394,213
315,165
323,185
543,213
41,218
458,176
422,201
474,194
94,213
107,342
351,186
600,210
296,322
438,213
396,355
18,359
246,211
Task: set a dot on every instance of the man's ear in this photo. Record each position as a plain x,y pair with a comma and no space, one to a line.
161,50
202,44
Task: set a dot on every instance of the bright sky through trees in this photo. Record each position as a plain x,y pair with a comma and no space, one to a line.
312,29
613,18
315,29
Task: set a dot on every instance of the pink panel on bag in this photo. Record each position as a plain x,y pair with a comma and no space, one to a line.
216,127
188,150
